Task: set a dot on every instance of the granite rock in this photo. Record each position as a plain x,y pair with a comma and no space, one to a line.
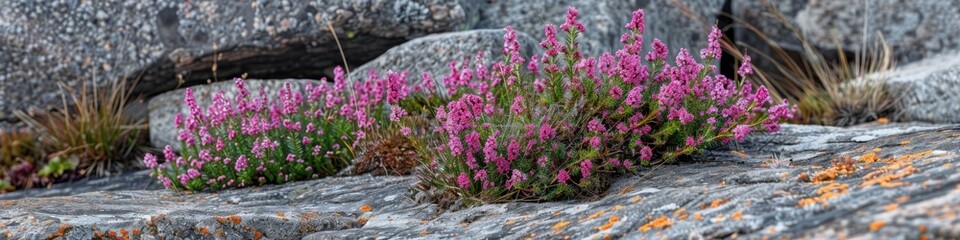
915,29
929,89
163,108
753,190
165,44
432,54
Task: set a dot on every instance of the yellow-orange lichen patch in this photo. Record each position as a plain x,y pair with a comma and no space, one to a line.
681,213
617,208
204,231
661,222
737,215
890,207
877,225
609,224
824,193
889,179
635,199
883,120
596,215
904,143
698,217
366,208
870,157
559,226
64,228
715,203
740,154
234,219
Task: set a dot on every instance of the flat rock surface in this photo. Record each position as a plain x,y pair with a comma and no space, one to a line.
754,189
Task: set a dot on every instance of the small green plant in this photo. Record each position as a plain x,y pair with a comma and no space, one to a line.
561,124
301,135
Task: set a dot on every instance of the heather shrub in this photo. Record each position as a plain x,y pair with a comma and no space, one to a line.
252,140
560,124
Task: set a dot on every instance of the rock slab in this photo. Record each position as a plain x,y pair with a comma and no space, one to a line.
928,90
165,43
909,188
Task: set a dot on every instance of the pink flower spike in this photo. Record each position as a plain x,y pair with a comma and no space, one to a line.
563,176
463,180
636,23
745,68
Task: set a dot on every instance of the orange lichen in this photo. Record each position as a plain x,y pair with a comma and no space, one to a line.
680,212
877,225
661,222
609,224
737,215
64,228
824,193
281,215
870,157
803,177
923,231
424,232
510,222
889,179
740,154
715,203
363,220
904,143
596,215
635,199
136,232
560,225
203,230
234,219
890,207
257,235
883,120
366,208
697,217
617,208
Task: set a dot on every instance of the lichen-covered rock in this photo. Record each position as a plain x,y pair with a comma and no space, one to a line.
432,54
159,42
915,29
163,108
900,182
605,20
928,90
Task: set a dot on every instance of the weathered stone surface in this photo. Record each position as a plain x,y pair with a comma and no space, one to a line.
163,108
681,24
929,90
604,20
915,29
46,42
724,193
433,54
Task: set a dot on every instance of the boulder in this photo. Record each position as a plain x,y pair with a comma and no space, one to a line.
432,54
915,29
604,20
929,89
901,182
681,24
163,108
165,44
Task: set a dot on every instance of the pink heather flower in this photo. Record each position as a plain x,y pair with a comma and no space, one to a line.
615,92
291,157
533,65
635,97
563,176
594,142
513,150
168,154
659,51
740,132
150,160
646,153
490,149
178,120
186,136
516,177
481,176
594,125
636,23
572,22
305,140
771,126
542,161
193,173
397,112
517,106
681,114
166,181
781,111
745,68
463,180
184,178
550,43
191,102
456,147
691,142
613,161
762,96
713,50
220,145
585,167
406,131
241,163
473,142
511,47
546,132
397,87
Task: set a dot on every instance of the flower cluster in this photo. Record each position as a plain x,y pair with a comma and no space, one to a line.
302,134
556,125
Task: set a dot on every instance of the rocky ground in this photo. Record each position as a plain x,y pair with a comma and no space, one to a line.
901,181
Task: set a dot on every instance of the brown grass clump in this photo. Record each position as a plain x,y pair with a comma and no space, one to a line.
93,131
389,154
